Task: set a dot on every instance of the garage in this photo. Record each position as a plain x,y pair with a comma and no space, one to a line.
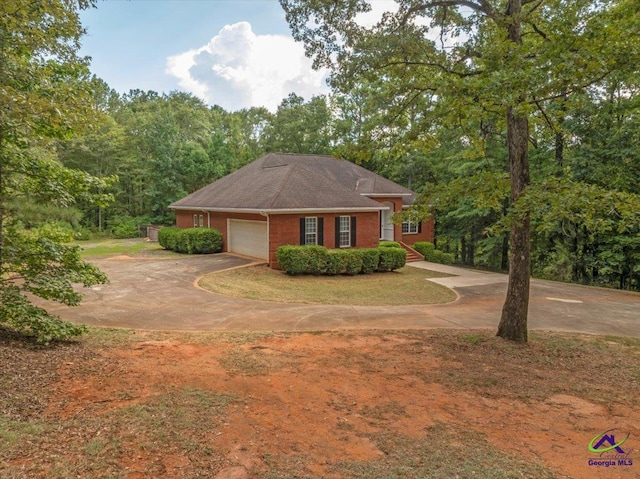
248,238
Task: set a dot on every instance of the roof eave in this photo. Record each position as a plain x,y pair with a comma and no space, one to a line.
275,211
385,195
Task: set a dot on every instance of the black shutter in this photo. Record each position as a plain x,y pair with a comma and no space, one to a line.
337,232
353,231
419,226
320,231
302,231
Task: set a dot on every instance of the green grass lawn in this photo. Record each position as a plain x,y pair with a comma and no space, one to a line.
405,286
128,246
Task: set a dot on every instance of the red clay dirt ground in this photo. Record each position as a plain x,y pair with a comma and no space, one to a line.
365,404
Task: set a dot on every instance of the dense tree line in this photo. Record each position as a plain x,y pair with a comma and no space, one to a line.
162,147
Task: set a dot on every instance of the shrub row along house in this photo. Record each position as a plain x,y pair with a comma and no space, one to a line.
289,199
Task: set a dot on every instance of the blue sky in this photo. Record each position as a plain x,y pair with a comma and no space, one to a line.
235,54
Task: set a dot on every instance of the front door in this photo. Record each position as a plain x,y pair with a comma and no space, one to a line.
386,226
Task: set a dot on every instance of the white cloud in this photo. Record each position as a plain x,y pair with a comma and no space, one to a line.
239,69
378,8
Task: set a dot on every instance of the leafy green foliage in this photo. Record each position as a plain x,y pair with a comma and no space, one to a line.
46,98
126,226
370,259
292,260
40,265
391,259
389,244
318,260
430,253
190,240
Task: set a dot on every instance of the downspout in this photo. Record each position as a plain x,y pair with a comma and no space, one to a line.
266,215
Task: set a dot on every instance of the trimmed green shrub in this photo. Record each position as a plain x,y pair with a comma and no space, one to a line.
167,237
190,240
433,255
336,261
424,248
370,259
442,257
291,260
353,262
316,259
163,236
391,259
389,244
202,240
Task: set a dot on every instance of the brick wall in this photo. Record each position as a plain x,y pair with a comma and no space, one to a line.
285,229
426,233
426,230
217,220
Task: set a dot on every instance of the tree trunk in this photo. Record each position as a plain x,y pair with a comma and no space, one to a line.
2,200
513,323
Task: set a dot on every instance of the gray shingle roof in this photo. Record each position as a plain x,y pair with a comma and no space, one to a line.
280,181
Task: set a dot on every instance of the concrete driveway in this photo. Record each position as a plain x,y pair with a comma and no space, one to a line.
161,294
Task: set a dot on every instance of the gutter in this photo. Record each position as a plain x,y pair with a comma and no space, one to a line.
264,212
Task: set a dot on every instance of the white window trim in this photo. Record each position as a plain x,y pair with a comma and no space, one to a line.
195,220
314,233
347,231
410,225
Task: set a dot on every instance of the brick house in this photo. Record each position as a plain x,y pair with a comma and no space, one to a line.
283,199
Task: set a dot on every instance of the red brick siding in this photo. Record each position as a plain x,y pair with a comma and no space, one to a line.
426,233
184,219
285,229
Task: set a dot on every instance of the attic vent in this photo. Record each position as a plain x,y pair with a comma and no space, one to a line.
275,161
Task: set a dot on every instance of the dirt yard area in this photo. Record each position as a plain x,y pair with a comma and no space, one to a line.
379,404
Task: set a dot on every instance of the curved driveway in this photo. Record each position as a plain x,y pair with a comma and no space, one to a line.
160,294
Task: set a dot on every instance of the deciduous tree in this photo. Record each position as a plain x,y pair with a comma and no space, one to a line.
45,96
506,58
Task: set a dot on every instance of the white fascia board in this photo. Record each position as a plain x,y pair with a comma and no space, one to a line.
385,195
283,211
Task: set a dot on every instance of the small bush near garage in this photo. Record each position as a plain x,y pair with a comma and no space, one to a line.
430,253
190,240
318,260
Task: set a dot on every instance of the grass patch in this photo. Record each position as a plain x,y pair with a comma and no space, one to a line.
405,286
550,363
128,247
444,452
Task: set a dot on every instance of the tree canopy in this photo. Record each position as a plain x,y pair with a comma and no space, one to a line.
44,97
515,66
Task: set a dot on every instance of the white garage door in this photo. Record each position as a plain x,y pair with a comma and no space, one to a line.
249,238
